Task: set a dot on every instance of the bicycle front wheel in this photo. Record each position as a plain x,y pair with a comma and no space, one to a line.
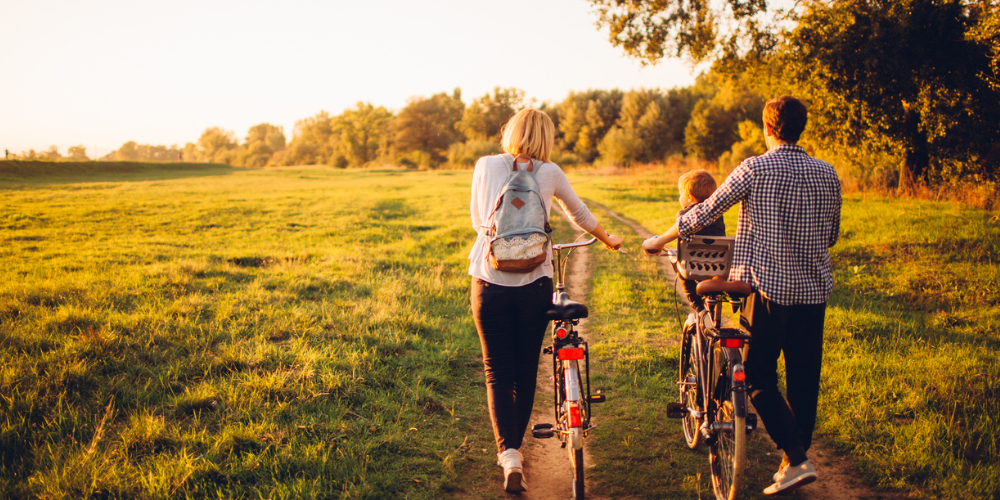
728,451
576,458
688,384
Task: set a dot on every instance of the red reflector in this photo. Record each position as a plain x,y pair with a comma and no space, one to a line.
734,343
568,354
574,415
739,376
561,333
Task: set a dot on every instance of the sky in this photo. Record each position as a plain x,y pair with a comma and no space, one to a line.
101,73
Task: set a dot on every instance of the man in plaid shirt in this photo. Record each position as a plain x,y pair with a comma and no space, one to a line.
789,218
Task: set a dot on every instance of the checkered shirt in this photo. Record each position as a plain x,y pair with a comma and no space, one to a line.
789,218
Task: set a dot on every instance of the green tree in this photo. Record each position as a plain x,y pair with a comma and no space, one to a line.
751,144
77,153
262,141
650,126
694,30
485,117
909,77
584,118
191,153
52,154
313,141
218,145
714,124
429,125
128,152
361,133
918,80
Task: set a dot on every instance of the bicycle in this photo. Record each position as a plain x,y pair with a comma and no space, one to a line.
572,387
712,382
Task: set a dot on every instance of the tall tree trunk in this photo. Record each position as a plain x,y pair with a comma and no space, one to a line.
917,158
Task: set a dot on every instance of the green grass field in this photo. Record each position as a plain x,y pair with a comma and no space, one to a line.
910,389
229,333
195,331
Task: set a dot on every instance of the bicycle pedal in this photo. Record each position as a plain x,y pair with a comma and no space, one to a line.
676,410
751,422
547,350
542,431
710,440
597,398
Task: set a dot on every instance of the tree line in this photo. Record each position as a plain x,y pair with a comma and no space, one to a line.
900,92
903,92
602,126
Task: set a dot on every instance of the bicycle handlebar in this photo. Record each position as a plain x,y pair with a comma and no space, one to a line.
561,246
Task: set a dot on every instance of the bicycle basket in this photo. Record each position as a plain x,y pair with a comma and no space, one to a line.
705,257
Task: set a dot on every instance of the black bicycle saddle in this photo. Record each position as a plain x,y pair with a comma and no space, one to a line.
563,308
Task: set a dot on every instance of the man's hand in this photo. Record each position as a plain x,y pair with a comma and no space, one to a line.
651,247
614,242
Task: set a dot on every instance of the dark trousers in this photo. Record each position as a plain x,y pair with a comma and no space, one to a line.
690,287
511,324
796,331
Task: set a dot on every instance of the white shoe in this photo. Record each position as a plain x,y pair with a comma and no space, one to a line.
513,475
792,477
781,468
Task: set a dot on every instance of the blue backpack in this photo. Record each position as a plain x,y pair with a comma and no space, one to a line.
518,226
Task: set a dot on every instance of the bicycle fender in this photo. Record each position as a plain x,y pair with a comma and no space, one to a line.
740,400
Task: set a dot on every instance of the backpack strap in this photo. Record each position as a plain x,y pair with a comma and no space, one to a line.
511,161
531,163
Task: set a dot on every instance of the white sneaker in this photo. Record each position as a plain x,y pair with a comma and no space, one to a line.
792,477
781,468
513,475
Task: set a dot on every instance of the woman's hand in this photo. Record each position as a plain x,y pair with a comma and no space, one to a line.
613,243
651,246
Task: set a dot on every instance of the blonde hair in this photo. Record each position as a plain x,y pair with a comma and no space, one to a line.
698,183
529,132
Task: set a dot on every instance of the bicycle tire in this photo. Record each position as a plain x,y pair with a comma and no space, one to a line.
727,455
689,393
576,458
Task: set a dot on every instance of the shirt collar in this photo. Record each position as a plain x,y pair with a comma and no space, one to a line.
788,148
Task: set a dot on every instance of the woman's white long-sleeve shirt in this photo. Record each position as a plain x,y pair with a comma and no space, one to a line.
487,181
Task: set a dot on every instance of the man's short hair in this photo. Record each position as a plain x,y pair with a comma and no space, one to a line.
698,183
786,116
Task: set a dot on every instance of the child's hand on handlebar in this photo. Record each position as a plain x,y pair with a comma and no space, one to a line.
616,242
650,247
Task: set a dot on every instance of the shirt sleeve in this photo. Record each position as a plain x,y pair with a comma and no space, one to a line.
835,231
578,212
734,189
478,188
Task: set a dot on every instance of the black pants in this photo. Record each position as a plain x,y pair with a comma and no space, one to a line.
690,287
511,324
796,331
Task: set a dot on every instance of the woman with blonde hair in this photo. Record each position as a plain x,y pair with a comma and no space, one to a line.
509,307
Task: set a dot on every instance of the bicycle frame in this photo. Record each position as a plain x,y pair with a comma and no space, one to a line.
567,350
731,341
572,395
713,389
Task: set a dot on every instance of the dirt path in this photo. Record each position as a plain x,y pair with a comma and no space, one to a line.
837,480
546,463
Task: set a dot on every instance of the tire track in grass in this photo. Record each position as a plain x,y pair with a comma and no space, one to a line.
837,477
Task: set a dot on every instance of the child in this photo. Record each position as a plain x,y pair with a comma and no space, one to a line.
695,187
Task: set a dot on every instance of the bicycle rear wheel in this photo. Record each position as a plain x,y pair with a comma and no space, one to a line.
688,384
576,458
728,451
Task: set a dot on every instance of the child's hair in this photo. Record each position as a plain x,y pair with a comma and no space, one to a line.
699,183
